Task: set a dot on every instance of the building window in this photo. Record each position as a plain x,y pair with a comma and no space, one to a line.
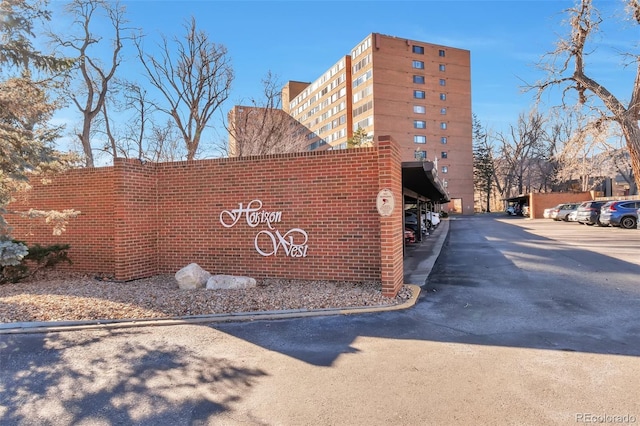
420,155
443,82
419,124
443,125
418,65
443,154
445,169
419,109
443,96
418,79
443,111
441,53
442,67
418,49
420,139
418,94
443,140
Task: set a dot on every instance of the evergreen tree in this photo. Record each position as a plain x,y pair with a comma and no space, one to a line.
483,165
26,136
359,139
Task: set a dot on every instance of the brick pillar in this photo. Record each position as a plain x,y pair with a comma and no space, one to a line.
136,224
391,233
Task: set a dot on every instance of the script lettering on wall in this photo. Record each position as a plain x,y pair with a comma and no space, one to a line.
267,241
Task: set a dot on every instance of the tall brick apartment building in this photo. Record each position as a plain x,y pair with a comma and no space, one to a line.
416,92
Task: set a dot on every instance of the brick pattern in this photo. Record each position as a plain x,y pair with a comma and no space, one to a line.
91,234
138,220
391,244
540,201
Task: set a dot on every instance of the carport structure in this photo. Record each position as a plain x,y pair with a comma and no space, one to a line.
538,201
422,187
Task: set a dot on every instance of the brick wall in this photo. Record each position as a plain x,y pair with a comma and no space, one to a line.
91,234
138,220
330,197
540,201
391,247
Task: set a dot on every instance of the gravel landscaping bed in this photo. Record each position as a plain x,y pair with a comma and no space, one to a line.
74,297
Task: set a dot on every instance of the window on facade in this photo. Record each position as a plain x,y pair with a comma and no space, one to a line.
418,94
443,111
418,49
419,109
419,79
443,140
445,169
418,64
419,124
441,53
442,67
443,96
443,125
443,154
420,155
443,82
420,139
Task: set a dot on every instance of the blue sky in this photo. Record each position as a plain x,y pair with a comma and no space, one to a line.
298,40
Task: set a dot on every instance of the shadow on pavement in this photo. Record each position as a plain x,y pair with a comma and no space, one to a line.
494,283
138,381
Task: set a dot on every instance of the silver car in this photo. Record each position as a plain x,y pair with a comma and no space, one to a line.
562,211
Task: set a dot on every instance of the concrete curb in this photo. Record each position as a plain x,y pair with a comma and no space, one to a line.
47,327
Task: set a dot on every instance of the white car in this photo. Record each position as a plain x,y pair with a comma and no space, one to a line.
434,218
573,216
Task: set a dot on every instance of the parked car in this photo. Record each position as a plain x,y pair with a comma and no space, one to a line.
623,213
562,211
588,213
409,236
433,219
547,212
638,222
516,210
573,216
411,221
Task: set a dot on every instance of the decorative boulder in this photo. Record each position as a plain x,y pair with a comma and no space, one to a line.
229,282
192,276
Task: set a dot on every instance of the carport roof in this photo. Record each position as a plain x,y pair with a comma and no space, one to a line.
522,198
420,178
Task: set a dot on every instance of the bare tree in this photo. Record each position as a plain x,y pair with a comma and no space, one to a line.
130,101
263,127
96,77
194,81
164,143
519,151
577,160
566,68
619,161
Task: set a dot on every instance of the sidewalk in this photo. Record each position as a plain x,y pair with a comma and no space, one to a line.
420,257
419,260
